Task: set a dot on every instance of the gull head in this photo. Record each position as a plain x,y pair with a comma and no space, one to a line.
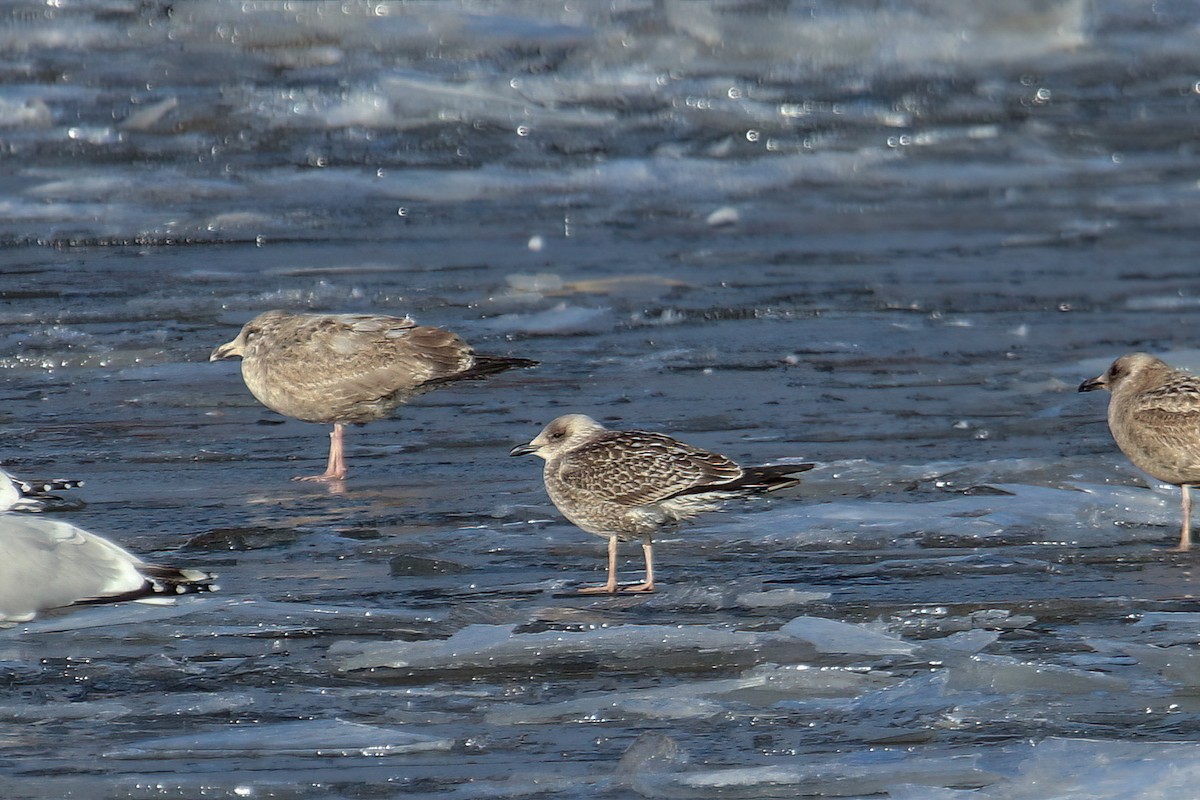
249,332
1126,369
561,435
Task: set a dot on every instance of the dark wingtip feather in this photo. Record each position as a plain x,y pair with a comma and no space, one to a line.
176,580
772,477
161,582
756,480
39,495
484,367
501,363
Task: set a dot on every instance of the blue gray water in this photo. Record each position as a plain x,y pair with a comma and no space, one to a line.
891,238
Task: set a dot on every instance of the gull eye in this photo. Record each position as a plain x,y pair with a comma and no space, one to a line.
557,435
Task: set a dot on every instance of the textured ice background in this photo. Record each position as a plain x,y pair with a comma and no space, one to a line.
888,238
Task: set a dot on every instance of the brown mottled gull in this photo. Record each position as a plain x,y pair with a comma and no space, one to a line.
1154,416
626,485
349,368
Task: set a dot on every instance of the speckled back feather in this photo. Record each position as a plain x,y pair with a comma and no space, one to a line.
638,468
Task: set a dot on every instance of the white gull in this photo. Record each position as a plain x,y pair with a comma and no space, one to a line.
47,563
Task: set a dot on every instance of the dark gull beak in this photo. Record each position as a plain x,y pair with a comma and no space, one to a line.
221,352
1092,384
523,450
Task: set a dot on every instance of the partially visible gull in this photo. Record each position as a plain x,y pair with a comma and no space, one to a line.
349,368
46,563
1154,416
22,495
626,485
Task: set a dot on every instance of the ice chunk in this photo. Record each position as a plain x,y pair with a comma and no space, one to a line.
30,112
779,598
97,710
1168,627
674,702
911,792
113,615
1005,674
149,116
1088,514
1080,769
959,644
769,683
929,621
832,636
725,215
494,646
537,283
763,685
652,752
868,774
560,320
1179,664
322,737
924,694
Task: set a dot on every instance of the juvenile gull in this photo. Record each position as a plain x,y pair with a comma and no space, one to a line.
46,563
626,485
1154,416
349,368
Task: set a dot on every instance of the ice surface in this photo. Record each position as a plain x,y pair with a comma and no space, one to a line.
558,320
833,636
1080,769
114,615
780,598
864,234
307,737
849,777
1087,514
499,646
1179,664
760,685
1006,675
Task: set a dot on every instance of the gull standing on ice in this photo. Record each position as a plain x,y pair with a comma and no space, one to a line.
46,563
626,485
349,368
1154,416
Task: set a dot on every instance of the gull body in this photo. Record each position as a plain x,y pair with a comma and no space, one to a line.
46,563
341,369
628,485
1154,417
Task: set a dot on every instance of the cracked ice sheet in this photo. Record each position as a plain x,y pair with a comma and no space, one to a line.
1085,769
326,737
619,646
1084,514
758,687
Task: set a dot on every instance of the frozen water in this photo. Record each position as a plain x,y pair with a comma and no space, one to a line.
1100,770
851,777
832,636
890,238
498,647
780,598
1007,675
308,737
